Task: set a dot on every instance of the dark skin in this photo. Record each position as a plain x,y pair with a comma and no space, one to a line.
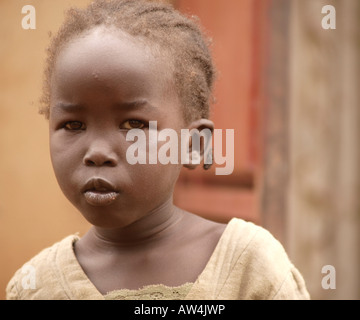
104,84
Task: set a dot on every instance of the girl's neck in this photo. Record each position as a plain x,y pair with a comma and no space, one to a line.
156,225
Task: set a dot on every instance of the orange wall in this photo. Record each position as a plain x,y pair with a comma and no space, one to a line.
33,212
231,26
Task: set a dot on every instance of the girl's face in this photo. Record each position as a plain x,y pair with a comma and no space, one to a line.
104,84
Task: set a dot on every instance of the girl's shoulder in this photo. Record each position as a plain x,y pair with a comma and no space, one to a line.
41,272
249,263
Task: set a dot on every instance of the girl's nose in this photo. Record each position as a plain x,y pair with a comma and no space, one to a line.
100,154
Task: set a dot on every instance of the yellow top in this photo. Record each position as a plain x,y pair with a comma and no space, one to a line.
248,263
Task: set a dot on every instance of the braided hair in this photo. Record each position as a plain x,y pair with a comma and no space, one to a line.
158,24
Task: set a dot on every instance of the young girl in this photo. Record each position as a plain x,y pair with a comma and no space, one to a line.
116,66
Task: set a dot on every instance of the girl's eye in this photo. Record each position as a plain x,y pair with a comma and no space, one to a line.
133,124
74,125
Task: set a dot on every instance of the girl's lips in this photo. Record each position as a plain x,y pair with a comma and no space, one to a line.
100,198
99,192
98,184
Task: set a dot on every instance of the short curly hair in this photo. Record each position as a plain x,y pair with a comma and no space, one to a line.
157,23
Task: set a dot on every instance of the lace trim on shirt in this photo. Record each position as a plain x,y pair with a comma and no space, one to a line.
153,292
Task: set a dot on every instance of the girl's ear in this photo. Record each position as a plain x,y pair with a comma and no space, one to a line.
200,143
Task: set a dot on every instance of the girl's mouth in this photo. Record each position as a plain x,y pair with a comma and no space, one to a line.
99,192
100,198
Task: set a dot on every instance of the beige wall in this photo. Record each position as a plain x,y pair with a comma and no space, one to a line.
324,204
33,211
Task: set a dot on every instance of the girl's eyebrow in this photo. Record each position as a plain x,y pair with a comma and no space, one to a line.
143,105
68,107
136,105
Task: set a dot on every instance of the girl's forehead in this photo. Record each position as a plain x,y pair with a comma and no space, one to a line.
109,55
104,48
